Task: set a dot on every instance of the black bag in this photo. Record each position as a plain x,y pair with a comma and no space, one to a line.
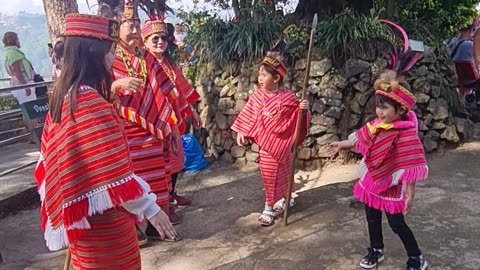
40,91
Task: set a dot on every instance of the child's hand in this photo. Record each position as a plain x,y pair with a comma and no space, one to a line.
408,205
240,139
304,105
333,148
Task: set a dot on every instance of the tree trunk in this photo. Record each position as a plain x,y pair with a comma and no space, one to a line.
307,8
362,6
55,11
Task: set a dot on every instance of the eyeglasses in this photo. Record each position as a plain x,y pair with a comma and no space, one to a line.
156,39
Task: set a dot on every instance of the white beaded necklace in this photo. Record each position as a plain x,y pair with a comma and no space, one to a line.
271,114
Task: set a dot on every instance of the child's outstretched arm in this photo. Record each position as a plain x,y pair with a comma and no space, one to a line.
335,147
410,196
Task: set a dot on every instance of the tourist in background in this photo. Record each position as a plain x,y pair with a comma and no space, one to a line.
18,67
57,60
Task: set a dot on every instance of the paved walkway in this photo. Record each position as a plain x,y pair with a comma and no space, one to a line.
11,157
327,230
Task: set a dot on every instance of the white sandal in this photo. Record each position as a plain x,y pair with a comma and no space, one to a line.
267,217
279,207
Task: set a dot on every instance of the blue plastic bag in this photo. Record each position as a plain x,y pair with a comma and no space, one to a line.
194,159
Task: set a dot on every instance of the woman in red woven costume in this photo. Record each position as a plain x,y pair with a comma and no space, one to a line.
91,198
182,96
150,122
270,119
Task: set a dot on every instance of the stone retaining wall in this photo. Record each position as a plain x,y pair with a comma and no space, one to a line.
340,103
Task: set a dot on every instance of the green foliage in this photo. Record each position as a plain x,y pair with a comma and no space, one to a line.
220,41
7,103
432,21
353,36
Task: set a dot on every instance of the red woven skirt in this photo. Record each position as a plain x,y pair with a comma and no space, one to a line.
111,243
151,160
178,159
275,175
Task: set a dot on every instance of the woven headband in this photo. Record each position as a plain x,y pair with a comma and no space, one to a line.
398,94
276,65
91,26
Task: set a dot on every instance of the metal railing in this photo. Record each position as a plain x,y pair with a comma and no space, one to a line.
17,113
25,86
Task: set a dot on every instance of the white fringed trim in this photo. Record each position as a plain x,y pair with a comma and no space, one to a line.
41,191
83,224
99,199
56,239
396,177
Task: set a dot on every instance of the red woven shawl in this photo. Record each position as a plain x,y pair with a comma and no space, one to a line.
271,121
85,167
149,108
391,150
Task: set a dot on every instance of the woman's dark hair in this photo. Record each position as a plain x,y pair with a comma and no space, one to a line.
83,64
58,51
272,72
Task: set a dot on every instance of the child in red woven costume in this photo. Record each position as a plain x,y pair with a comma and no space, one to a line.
270,118
393,161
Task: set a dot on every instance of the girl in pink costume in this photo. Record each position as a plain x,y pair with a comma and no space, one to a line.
393,161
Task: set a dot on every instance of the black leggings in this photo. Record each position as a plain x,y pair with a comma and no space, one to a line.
398,225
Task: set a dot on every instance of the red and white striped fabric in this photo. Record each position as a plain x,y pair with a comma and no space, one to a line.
151,160
152,156
149,108
84,168
91,26
182,98
275,176
270,120
393,157
110,244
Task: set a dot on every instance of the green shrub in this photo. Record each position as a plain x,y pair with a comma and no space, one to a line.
221,42
7,103
353,36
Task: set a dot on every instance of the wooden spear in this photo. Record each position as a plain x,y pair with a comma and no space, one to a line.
299,122
68,258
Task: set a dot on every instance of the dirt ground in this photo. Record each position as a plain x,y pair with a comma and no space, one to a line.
327,229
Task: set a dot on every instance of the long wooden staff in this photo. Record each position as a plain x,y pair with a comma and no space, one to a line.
299,122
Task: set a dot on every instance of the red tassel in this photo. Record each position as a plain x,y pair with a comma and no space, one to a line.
75,212
43,218
125,192
39,173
